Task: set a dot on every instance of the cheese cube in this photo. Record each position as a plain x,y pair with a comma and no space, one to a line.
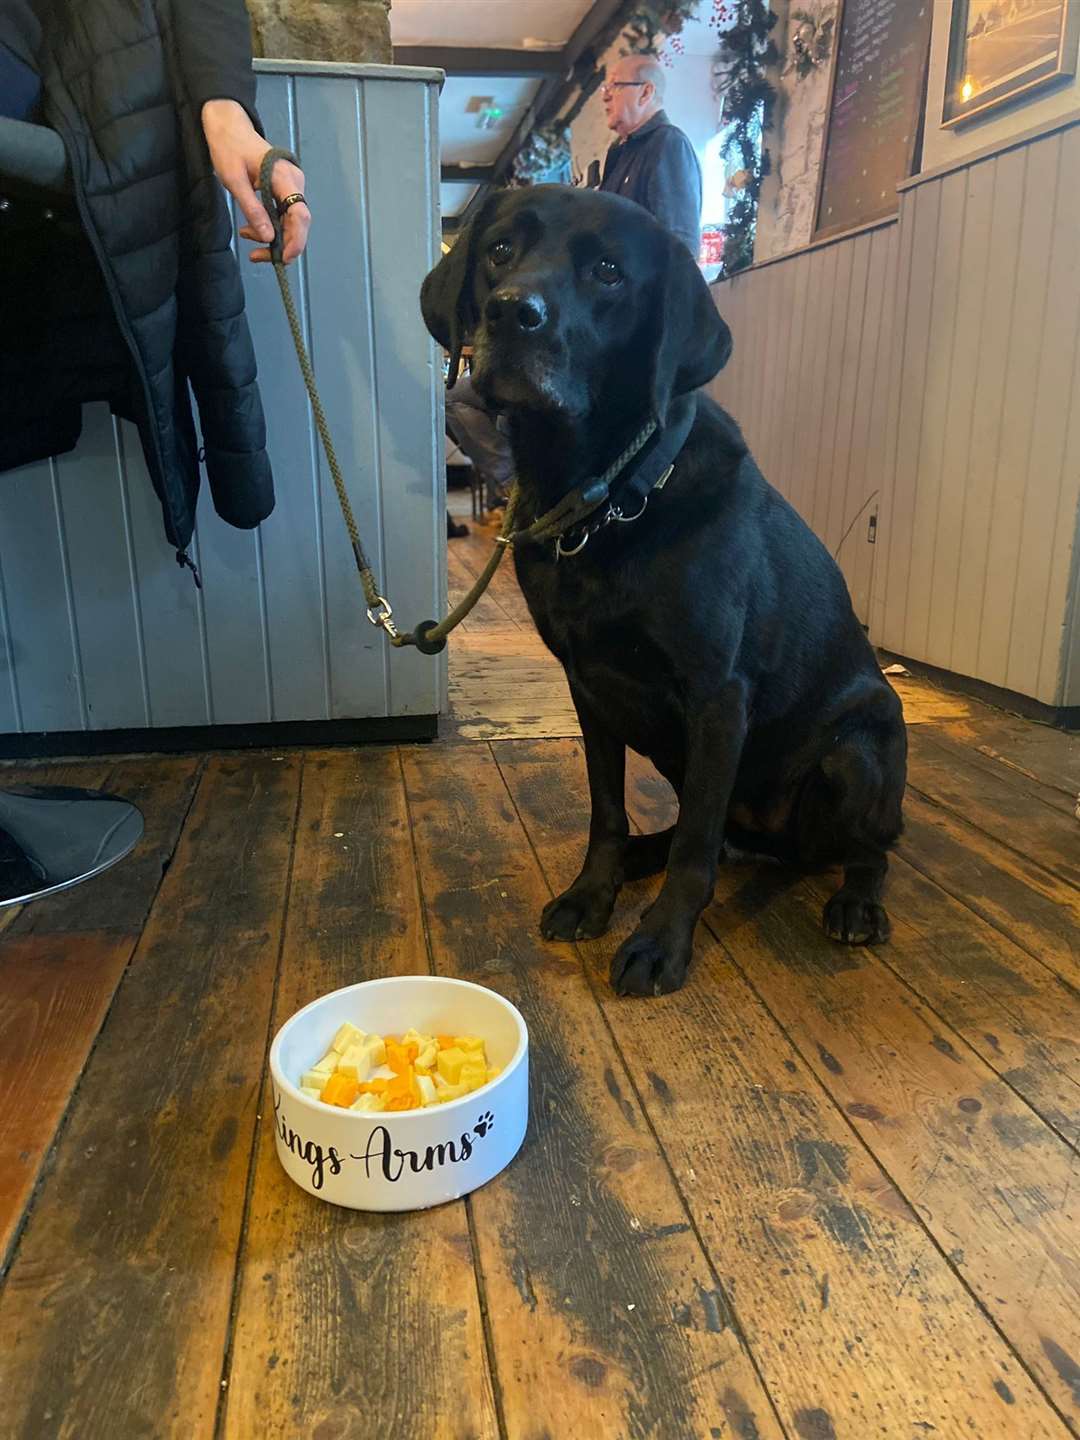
356,1062
473,1074
469,1042
327,1065
311,1091
451,1092
377,1047
368,1102
314,1079
427,1047
346,1036
450,1063
428,1093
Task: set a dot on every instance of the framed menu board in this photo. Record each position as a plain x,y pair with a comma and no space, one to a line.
875,110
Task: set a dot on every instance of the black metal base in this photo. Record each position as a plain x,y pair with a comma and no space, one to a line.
53,837
180,739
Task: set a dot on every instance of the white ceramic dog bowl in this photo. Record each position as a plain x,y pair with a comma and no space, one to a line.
407,1159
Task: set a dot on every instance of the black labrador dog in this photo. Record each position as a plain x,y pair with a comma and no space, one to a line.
698,619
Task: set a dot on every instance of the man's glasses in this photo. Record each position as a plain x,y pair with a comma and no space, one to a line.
610,85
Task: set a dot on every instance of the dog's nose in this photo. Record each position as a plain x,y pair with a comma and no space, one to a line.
513,305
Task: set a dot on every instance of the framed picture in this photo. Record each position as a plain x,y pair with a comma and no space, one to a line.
1000,50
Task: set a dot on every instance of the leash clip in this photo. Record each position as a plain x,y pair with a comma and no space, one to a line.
383,618
616,514
563,554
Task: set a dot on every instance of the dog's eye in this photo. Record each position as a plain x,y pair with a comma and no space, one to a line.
607,272
501,252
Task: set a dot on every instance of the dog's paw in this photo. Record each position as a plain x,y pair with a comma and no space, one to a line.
644,965
577,915
855,920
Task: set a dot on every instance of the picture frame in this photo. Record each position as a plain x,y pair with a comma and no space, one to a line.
1003,50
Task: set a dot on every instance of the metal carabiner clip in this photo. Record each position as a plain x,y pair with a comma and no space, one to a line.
384,618
616,514
561,554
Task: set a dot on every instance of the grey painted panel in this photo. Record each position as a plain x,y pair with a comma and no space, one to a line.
864,463
98,625
938,362
233,619
291,539
912,397
1030,274
1054,529
824,479
835,495
1067,683
170,607
811,403
42,637
761,328
795,378
943,269
887,415
989,408
973,243
342,349
409,369
99,568
786,279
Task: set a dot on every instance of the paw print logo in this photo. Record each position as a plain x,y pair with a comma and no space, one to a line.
484,1124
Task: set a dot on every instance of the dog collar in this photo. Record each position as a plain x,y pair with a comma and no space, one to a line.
622,493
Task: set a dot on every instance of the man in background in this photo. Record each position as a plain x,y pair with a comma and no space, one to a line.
652,162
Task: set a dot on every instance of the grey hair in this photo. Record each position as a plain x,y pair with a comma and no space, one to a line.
647,67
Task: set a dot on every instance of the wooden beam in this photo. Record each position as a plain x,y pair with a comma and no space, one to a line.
463,60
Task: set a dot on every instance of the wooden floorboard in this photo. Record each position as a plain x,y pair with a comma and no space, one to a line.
859,1323
819,1194
606,1319
388,1305
62,959
116,1306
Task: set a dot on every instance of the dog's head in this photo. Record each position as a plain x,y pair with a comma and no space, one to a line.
576,303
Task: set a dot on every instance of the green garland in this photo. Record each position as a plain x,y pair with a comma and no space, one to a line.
811,41
653,21
544,159
746,55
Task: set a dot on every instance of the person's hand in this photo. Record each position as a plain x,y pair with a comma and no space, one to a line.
237,150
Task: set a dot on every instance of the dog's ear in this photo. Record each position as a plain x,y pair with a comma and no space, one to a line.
693,342
447,302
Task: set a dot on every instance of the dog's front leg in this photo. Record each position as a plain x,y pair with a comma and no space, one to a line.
583,911
655,958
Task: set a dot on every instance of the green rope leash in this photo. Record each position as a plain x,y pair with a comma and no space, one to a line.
429,636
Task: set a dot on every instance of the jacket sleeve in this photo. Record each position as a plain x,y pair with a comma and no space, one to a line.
213,40
673,190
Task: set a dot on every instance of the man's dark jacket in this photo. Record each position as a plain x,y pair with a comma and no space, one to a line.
132,291
656,166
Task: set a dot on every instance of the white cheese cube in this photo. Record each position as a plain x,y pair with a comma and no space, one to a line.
346,1036
356,1062
368,1102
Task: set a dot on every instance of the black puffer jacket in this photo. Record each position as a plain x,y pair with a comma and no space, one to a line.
143,295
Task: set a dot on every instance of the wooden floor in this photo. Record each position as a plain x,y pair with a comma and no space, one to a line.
819,1193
